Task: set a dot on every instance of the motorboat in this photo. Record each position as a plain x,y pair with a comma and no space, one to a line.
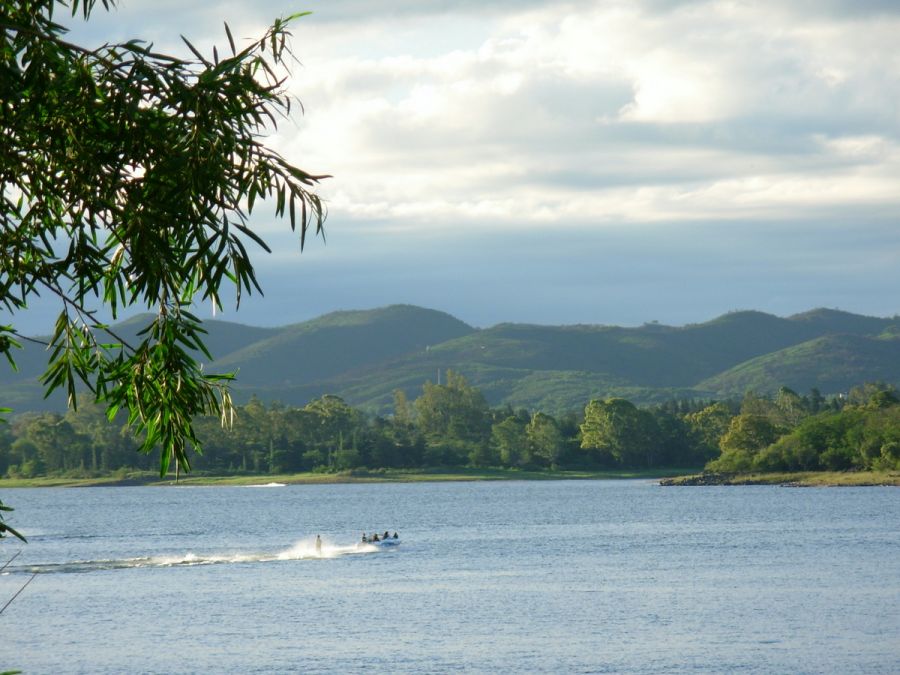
390,541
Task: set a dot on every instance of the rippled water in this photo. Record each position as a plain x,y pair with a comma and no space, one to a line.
585,577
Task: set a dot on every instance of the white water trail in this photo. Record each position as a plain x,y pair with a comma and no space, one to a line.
304,549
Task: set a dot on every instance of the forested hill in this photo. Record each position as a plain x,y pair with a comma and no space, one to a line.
363,356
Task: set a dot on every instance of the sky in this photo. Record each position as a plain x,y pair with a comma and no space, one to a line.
607,162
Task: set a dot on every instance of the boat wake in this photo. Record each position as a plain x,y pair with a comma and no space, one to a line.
302,550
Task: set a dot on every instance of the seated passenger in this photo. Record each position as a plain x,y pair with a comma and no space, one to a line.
386,535
375,537
396,536
364,540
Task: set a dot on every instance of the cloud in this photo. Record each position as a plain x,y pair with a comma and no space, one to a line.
614,161
531,112
608,113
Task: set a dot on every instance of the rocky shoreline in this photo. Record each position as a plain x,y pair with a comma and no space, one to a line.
701,479
795,479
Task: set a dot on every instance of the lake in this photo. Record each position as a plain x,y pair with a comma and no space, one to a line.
555,577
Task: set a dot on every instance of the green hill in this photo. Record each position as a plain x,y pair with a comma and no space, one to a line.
365,355
832,321
276,363
559,368
337,343
831,364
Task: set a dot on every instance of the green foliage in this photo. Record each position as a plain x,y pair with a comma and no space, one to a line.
454,410
509,438
709,425
619,428
863,435
747,434
544,440
453,427
889,459
872,395
4,528
128,177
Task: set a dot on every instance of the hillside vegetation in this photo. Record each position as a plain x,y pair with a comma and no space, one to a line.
363,356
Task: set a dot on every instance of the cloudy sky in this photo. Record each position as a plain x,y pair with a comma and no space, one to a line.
578,162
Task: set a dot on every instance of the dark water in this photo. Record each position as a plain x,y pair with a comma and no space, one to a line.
557,577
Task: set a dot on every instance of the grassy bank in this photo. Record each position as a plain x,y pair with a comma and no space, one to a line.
357,476
799,479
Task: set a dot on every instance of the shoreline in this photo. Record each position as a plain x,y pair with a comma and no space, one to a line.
666,477
356,476
791,479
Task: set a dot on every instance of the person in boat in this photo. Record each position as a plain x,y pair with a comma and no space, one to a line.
375,537
396,536
387,535
318,545
365,539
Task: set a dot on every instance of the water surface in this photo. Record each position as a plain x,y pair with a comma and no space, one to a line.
569,576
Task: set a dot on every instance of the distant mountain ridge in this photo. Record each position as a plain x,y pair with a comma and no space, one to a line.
365,355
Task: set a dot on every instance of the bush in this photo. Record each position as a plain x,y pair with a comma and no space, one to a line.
838,459
890,457
31,468
771,459
732,461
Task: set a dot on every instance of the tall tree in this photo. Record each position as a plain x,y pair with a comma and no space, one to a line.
708,426
126,179
618,427
747,435
545,440
455,411
509,439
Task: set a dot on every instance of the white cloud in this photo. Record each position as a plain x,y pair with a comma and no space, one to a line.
720,106
565,124
595,111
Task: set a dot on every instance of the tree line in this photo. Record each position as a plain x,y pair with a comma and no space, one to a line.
451,425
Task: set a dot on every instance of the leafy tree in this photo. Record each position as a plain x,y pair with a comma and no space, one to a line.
619,428
381,444
816,402
4,528
791,406
402,428
509,439
890,457
874,393
128,177
709,425
106,445
452,413
545,440
6,440
23,460
402,411
333,425
747,435
58,445
676,443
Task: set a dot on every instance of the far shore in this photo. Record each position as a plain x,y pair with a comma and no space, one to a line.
667,477
355,476
792,479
